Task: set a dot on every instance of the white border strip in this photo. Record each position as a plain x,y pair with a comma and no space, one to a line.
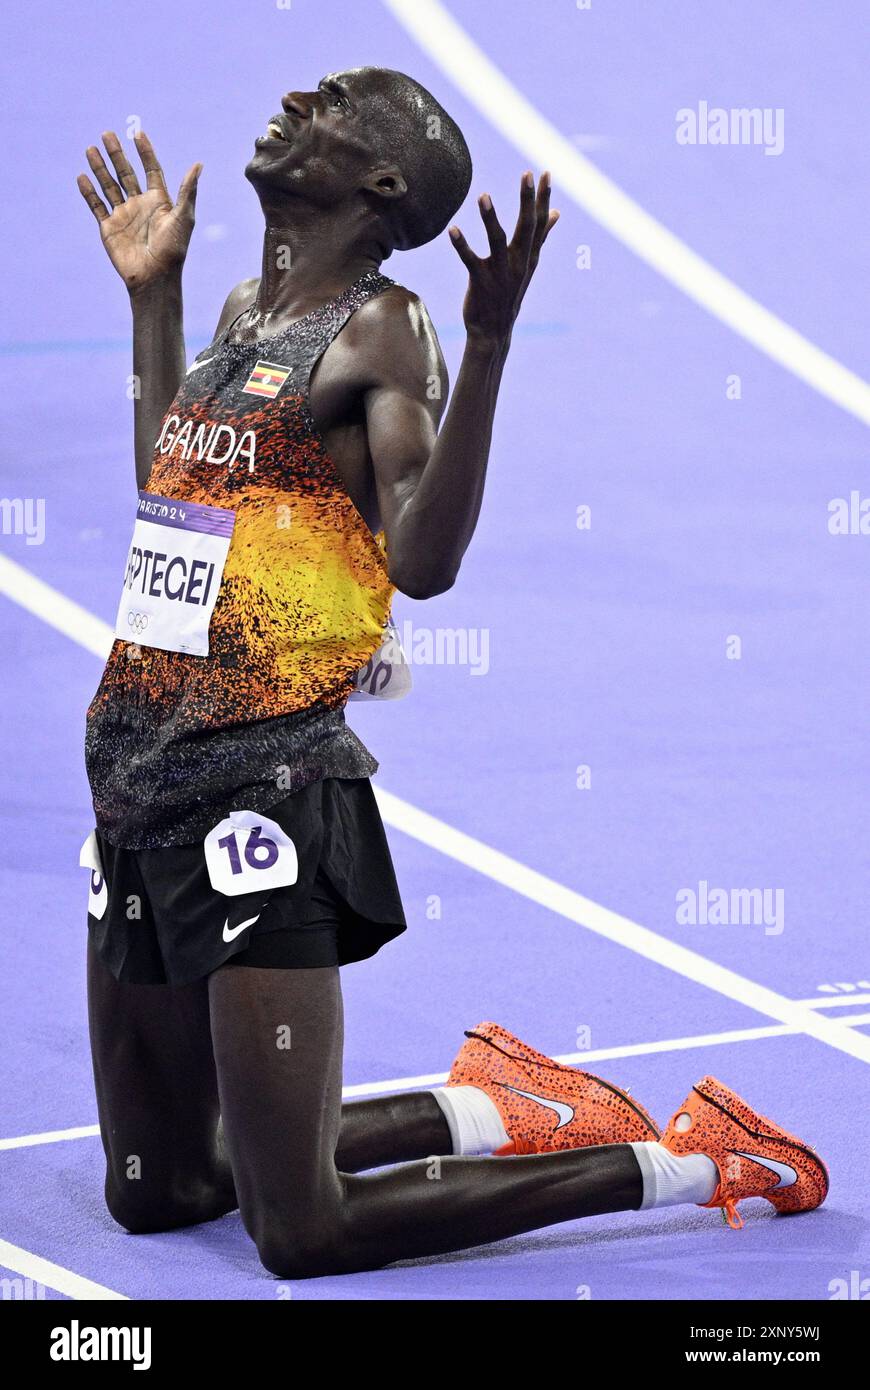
416,1083
53,1276
505,107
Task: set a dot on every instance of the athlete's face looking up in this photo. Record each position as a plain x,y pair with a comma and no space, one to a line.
328,145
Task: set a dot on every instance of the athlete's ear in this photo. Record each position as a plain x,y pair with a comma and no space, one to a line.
387,182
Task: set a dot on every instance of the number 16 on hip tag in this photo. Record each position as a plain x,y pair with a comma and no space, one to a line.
247,852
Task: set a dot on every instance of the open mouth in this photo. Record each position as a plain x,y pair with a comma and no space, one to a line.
278,128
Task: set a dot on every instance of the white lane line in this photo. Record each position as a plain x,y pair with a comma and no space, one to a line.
838,1002
601,1054
771,1030
436,1078
54,608
546,892
53,1276
505,107
49,1136
528,883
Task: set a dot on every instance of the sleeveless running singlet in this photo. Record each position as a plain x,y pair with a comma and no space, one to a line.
176,740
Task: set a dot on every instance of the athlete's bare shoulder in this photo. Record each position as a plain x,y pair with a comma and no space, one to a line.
396,310
238,299
392,338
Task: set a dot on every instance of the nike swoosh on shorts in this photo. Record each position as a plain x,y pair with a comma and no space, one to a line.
230,933
565,1112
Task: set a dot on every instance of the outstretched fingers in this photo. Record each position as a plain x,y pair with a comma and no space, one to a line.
122,166
524,231
532,226
552,219
464,251
92,198
150,163
542,211
545,221
494,230
186,200
111,190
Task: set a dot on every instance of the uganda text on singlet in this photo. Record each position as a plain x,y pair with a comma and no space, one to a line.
246,546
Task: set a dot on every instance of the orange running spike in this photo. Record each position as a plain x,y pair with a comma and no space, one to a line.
545,1106
754,1157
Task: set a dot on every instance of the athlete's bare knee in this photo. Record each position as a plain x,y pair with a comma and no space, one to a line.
321,1238
305,1241
144,1211
140,1214
303,1248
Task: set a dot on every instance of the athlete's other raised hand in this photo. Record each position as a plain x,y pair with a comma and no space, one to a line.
497,283
146,237
145,234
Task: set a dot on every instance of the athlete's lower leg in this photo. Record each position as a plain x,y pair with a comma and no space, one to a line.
282,1115
439,1205
391,1129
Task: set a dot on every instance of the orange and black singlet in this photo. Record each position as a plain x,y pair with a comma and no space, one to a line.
176,740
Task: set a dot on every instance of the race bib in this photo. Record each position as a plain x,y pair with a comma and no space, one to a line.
98,892
173,574
247,852
386,675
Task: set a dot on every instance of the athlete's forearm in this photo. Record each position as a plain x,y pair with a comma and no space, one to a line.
159,362
438,521
430,535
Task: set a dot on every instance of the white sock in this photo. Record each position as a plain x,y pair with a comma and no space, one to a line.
669,1180
474,1122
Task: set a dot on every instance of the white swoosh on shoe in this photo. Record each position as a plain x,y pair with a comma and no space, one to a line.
787,1176
230,933
565,1112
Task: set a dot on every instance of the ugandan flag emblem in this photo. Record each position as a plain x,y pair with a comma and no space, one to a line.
266,379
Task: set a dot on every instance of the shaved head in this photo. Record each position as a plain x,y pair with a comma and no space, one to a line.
372,138
410,128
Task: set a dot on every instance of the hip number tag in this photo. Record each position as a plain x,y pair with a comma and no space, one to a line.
247,853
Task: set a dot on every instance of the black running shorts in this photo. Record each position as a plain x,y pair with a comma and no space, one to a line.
171,916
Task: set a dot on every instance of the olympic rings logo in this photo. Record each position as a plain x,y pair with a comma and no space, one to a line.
137,621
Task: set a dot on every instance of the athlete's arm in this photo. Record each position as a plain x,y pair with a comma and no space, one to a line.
429,485
146,237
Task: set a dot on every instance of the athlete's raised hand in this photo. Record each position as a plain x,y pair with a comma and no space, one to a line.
145,234
496,284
